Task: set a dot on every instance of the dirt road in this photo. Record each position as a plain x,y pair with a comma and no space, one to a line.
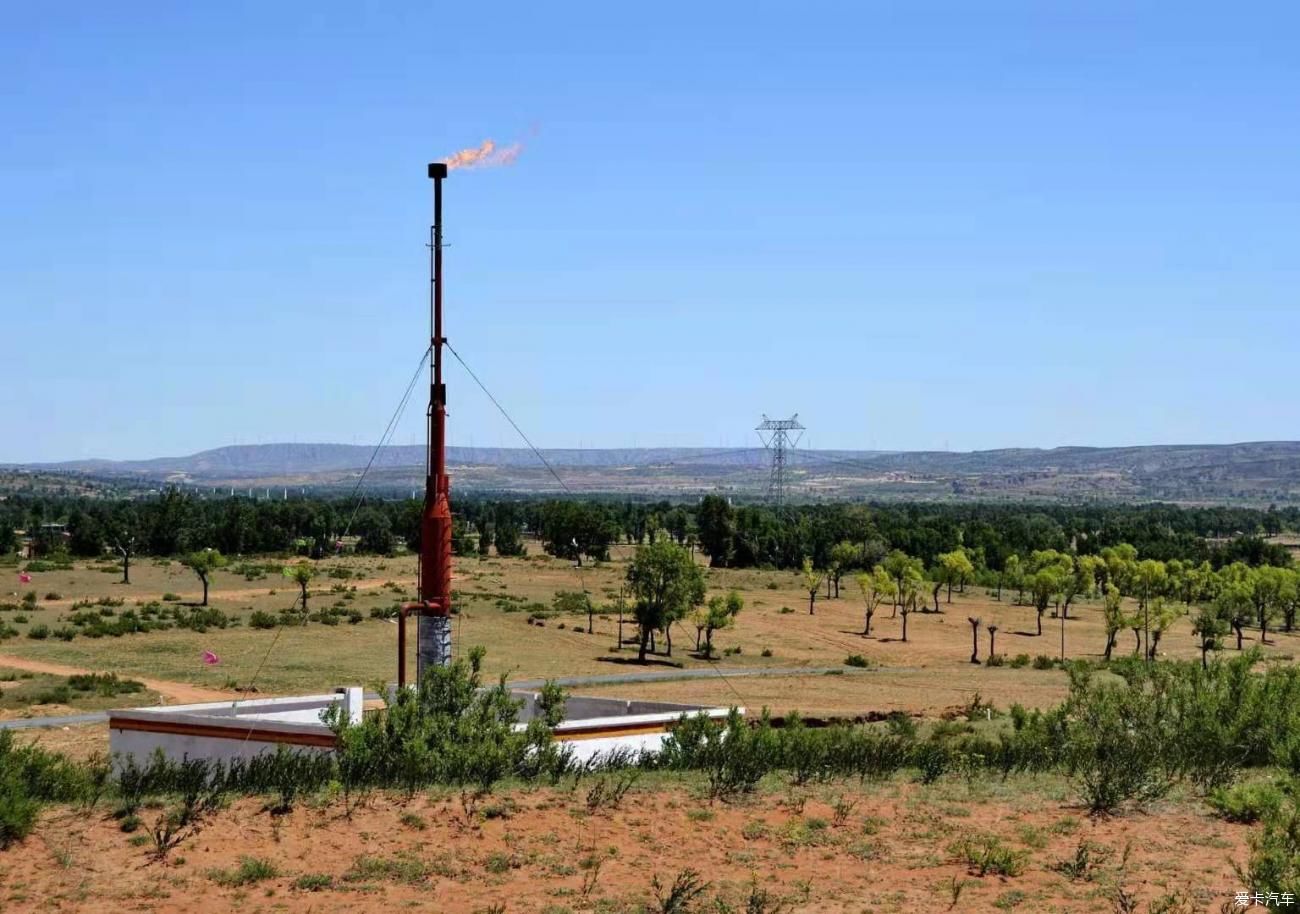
173,692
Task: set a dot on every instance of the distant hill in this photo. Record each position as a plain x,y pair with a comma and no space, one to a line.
1254,472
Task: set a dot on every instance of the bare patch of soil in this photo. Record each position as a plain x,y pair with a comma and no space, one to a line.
895,847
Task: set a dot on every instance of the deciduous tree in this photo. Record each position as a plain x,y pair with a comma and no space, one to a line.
876,587
203,562
666,584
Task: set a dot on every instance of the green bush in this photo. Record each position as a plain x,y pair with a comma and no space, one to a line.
856,660
1114,744
1019,661
1246,803
262,620
30,776
38,632
1274,864
986,855
733,755
250,870
313,882
106,685
18,812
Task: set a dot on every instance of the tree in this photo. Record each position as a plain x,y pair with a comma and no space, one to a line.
1121,562
993,631
301,574
666,584
1210,628
975,638
203,563
721,613
1113,615
910,592
126,535
1043,585
1014,572
1162,615
677,523
1081,582
1149,581
812,582
1290,598
483,524
715,521
900,566
374,532
1233,605
1267,588
876,587
957,567
508,539
844,555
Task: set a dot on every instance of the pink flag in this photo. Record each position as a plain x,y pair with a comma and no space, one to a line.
24,578
210,658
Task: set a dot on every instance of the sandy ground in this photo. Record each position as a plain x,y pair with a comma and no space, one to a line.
892,852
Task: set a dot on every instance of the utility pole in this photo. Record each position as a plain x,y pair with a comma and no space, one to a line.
778,441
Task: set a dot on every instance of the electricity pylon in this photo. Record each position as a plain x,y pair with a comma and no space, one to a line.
778,441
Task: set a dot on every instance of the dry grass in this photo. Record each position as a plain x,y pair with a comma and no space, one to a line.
929,672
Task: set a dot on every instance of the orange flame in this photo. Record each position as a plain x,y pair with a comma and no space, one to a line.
484,156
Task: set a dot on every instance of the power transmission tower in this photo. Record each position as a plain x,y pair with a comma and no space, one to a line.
778,441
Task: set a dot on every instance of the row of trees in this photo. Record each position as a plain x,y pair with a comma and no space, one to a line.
1233,598
173,523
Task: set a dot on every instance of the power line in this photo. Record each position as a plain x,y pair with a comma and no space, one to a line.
512,422
384,438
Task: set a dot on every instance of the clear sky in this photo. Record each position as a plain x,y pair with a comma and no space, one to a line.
919,225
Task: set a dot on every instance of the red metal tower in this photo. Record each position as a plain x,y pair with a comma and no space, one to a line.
433,607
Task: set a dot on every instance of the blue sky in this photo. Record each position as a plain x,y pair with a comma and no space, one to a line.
919,225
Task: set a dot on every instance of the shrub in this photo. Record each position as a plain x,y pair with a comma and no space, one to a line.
1274,864
65,633
1019,661
1113,744
170,597
38,632
856,660
1044,662
313,882
987,855
54,595
17,812
106,685
262,620
1246,803
59,695
733,755
250,870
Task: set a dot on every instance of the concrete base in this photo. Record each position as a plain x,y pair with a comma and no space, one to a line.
434,643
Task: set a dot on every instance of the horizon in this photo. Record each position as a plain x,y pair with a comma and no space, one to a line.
986,230
703,448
